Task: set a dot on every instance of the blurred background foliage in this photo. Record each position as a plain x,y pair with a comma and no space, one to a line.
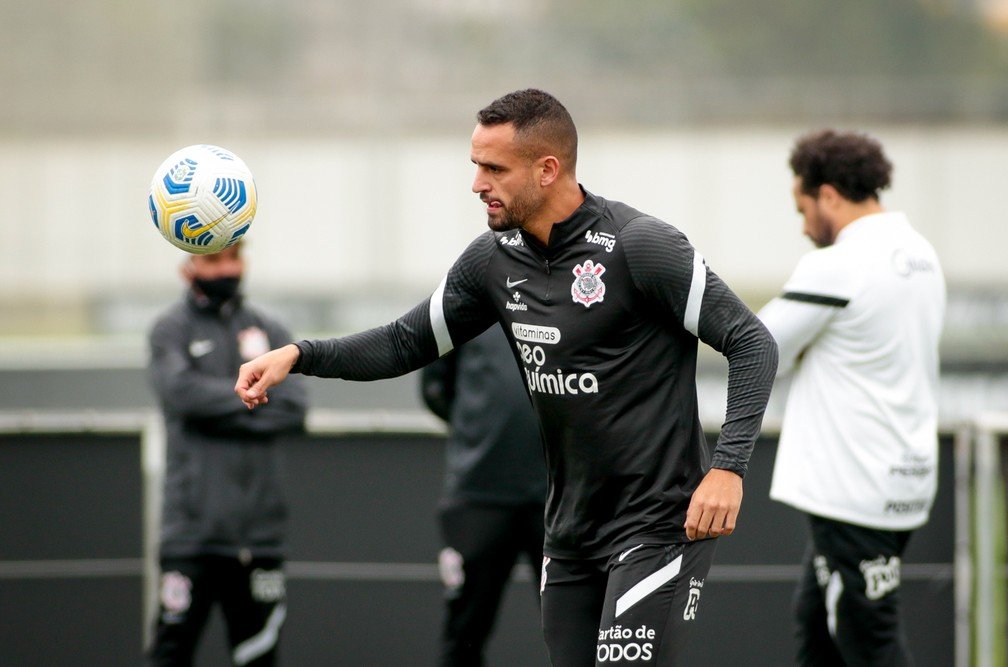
335,66
704,94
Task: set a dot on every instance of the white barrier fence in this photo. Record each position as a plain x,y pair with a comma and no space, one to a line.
987,579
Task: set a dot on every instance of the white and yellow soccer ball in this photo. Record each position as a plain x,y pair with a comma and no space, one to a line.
202,199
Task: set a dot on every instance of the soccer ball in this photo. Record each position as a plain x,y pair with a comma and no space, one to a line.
202,199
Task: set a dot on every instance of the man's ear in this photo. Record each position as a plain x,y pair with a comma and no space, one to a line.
549,170
829,195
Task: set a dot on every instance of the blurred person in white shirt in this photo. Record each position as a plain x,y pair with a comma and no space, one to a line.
858,325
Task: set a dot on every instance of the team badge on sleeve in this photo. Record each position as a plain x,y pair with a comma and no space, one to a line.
588,287
252,342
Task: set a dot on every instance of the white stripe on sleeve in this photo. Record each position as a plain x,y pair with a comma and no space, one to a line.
437,320
691,319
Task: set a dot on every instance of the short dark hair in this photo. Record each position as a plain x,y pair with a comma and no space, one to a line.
852,163
542,124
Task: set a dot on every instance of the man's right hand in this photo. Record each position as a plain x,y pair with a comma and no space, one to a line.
263,372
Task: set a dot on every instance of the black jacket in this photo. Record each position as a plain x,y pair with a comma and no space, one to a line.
223,489
494,454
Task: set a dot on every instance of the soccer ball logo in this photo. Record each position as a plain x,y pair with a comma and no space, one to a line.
202,199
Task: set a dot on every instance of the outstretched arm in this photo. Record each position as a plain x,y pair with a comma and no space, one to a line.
183,390
257,376
456,312
285,413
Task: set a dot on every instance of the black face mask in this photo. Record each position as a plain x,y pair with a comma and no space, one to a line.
218,290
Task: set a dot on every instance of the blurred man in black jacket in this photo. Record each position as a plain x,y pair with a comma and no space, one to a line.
495,486
224,513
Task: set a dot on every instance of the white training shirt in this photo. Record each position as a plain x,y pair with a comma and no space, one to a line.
859,322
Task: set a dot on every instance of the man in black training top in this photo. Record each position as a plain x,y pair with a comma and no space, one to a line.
603,305
495,487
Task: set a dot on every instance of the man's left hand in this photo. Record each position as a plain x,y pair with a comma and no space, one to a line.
715,505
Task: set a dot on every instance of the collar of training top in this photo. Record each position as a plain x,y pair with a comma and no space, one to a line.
571,229
870,221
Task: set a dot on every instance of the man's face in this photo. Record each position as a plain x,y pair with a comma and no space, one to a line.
817,223
505,180
227,263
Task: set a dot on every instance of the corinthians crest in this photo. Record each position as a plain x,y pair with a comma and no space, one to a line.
588,287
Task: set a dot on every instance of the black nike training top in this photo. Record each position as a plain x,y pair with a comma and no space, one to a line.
604,323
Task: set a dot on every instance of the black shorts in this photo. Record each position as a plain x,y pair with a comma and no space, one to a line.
847,605
634,607
252,596
482,545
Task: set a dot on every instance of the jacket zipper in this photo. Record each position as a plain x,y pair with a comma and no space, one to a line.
549,282
546,264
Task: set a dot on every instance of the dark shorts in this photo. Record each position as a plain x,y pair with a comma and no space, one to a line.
847,605
252,596
636,607
482,545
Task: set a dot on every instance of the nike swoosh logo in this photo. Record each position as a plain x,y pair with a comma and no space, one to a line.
628,552
199,348
512,283
193,233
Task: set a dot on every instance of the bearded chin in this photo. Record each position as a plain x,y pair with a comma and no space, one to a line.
511,217
505,223
514,216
